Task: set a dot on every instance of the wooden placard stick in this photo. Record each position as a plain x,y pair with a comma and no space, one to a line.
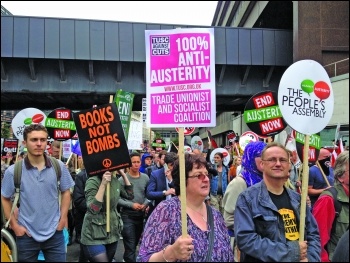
18,146
181,154
60,154
323,174
304,188
299,176
70,157
108,195
75,162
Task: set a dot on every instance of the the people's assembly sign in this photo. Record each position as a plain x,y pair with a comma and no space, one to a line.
102,139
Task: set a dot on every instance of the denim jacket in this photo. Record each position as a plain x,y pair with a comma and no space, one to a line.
259,228
214,182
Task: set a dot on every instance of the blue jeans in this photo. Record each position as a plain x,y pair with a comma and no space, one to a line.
54,248
131,233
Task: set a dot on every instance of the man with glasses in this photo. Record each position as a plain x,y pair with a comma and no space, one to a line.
267,216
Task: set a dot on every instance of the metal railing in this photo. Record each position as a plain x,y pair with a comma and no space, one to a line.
337,68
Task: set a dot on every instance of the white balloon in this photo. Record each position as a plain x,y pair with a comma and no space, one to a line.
25,118
197,143
246,138
306,106
187,149
226,159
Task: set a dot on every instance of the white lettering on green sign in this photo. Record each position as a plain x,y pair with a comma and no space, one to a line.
315,140
263,114
59,124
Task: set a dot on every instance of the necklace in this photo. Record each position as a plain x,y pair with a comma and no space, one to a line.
198,213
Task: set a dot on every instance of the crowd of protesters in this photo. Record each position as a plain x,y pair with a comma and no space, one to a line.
247,211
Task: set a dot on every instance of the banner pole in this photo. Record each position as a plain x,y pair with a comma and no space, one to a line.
18,147
323,174
304,187
70,157
60,154
108,194
181,154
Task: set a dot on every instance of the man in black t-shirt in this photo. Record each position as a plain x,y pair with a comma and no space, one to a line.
267,216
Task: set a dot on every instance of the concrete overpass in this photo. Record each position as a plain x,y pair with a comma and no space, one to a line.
48,63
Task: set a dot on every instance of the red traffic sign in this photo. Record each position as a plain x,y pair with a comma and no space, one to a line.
187,130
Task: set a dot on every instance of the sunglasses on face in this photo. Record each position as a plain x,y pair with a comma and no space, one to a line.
199,176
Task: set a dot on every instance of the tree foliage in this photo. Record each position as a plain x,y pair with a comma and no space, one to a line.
5,130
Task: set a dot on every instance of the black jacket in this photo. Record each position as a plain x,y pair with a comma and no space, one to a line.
79,201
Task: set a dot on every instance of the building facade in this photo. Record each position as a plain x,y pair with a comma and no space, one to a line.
320,33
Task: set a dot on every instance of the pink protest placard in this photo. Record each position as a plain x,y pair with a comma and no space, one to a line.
180,82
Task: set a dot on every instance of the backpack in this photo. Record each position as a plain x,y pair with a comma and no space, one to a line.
18,174
6,253
337,207
337,204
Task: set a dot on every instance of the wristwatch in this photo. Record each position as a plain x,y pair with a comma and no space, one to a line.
164,192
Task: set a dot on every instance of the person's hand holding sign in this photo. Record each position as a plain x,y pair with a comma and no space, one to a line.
106,177
123,174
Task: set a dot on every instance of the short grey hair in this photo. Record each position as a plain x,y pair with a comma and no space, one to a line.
340,162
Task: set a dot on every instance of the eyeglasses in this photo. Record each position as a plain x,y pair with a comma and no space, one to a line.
199,176
273,161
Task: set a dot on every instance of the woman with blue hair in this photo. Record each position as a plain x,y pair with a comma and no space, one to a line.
249,176
250,162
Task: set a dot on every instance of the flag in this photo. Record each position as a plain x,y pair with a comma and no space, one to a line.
337,142
333,157
124,101
337,133
341,146
338,149
212,141
76,148
172,148
231,137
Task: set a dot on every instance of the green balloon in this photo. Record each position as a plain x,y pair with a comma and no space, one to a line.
28,121
307,86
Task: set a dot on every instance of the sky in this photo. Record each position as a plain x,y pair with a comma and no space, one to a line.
161,12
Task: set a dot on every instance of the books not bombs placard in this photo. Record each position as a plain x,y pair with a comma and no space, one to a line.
102,140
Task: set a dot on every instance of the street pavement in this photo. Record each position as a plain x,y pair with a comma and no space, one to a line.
74,250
